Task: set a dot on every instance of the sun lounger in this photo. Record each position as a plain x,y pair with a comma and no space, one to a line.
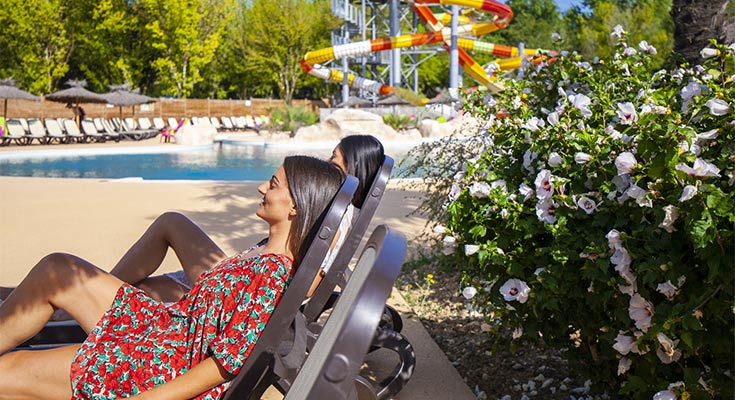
108,129
128,129
69,331
91,132
158,123
72,131
54,131
332,367
16,132
37,131
227,124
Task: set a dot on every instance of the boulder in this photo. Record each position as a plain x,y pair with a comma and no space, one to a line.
195,135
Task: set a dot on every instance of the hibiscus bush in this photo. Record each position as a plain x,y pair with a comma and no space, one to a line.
595,211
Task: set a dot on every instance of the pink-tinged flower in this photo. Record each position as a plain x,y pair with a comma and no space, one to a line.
627,114
644,46
640,311
613,239
449,240
709,52
554,160
623,343
533,124
689,92
499,183
515,289
544,187
469,292
454,193
629,51
587,204
670,215
480,190
526,191
668,289
581,103
440,229
555,36
582,158
545,210
718,107
459,176
638,193
618,31
614,134
528,158
667,351
708,135
620,258
553,118
470,249
625,162
624,365
664,395
700,169
517,333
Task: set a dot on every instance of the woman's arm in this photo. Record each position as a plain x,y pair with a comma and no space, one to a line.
204,376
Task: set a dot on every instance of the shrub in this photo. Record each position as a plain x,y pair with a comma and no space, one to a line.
595,211
290,118
399,122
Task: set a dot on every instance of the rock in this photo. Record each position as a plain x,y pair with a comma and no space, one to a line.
517,366
345,122
190,135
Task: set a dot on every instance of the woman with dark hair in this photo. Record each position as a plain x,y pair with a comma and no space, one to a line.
139,346
360,156
357,155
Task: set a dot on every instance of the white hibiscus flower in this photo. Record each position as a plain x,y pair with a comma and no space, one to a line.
515,289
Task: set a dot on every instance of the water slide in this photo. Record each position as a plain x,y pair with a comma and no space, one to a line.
438,33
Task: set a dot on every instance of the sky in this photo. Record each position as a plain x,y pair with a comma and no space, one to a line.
564,5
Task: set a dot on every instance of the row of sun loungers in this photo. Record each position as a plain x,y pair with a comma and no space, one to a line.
23,131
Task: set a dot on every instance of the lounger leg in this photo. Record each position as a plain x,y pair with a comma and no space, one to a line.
57,281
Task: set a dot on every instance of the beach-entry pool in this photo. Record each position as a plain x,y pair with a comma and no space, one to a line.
222,162
225,162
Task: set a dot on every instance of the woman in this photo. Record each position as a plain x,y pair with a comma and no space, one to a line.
357,155
139,346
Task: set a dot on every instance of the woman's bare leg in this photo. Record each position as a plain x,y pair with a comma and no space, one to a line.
37,374
195,250
57,281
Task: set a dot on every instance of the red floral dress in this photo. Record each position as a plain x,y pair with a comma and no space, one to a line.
140,343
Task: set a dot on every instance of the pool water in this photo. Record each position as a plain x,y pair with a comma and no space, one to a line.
225,162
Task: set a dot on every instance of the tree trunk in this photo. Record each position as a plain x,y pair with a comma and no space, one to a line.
697,21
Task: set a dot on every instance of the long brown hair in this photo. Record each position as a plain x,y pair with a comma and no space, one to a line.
312,184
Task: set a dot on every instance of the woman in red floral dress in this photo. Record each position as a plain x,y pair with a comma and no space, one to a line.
140,347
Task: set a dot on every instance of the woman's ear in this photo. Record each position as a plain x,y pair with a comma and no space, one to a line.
293,211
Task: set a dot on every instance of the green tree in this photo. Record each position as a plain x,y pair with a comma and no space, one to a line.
183,38
272,41
648,20
34,46
532,24
106,48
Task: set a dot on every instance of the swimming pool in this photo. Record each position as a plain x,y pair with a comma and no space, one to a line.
221,161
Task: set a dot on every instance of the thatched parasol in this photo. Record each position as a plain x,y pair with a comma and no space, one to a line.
392,100
8,90
76,94
122,96
354,102
442,99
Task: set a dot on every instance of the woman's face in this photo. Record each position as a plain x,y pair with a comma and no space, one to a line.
277,205
338,159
